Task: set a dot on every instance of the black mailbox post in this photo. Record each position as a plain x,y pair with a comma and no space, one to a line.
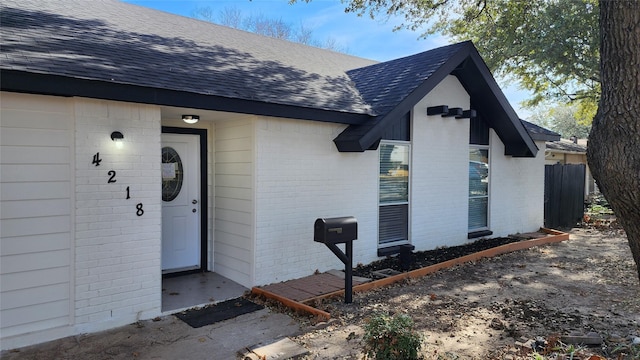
332,231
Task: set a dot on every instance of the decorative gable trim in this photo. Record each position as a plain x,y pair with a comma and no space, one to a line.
486,96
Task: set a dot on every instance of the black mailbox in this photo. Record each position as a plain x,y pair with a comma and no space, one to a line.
335,230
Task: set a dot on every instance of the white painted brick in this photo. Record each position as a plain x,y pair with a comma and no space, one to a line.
106,222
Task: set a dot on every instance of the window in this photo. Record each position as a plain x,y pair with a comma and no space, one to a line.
478,188
393,193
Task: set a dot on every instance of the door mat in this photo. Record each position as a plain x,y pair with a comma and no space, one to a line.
219,312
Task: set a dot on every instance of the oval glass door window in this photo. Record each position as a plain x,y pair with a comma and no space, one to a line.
172,174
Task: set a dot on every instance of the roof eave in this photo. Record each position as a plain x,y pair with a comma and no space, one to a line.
349,141
57,85
488,98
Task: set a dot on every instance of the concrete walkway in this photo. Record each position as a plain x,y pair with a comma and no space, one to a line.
171,338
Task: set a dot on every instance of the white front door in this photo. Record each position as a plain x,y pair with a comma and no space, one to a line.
180,202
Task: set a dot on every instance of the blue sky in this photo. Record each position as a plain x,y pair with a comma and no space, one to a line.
360,36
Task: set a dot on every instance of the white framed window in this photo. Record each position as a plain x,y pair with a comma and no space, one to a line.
478,187
393,195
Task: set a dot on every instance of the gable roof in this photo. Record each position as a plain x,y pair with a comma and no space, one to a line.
539,133
407,80
117,51
566,146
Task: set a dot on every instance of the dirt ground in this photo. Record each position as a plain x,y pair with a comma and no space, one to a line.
586,286
480,310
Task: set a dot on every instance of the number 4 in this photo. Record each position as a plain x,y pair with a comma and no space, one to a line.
96,159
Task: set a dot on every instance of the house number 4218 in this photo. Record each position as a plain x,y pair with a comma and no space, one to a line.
112,179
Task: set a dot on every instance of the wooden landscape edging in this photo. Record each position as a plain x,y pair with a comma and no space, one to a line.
295,305
555,236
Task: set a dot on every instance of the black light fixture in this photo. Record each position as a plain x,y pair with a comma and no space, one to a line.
117,136
190,119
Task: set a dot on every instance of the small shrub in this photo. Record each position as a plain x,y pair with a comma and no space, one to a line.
391,338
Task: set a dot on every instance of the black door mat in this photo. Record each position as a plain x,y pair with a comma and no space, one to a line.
219,312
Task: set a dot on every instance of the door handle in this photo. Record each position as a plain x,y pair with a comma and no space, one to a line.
194,201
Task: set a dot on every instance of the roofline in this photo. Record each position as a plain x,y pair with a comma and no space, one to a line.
499,96
407,104
566,152
57,85
365,137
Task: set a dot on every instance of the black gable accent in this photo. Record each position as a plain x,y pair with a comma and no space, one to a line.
489,100
461,60
359,138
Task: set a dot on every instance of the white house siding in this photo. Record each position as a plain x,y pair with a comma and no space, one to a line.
117,260
301,176
439,170
234,200
36,218
516,203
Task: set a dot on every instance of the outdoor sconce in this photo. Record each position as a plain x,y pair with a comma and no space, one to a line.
190,119
118,138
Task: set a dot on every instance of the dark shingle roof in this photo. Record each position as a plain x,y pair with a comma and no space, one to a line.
126,44
566,146
385,85
112,50
539,133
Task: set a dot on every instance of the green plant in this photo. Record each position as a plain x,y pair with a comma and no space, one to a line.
391,338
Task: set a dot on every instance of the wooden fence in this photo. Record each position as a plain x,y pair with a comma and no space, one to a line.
563,195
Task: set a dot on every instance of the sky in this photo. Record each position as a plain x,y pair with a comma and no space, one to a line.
360,36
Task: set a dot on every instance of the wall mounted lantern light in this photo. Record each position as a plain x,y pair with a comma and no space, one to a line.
190,119
118,138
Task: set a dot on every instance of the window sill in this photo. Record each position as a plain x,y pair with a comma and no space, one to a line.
393,250
479,233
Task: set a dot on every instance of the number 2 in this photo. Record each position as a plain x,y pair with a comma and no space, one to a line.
113,176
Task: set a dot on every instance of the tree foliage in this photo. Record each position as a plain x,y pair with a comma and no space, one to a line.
561,119
260,24
550,46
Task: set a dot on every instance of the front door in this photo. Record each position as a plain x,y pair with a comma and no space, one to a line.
181,202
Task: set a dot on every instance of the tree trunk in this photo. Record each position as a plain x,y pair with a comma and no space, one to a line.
614,142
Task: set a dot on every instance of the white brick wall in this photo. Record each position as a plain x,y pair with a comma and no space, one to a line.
301,176
517,191
117,261
439,176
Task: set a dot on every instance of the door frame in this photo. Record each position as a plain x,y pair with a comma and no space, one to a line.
204,186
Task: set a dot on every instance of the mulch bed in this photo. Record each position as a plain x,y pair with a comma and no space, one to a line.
420,259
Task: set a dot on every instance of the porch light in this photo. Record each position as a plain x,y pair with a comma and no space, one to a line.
118,138
190,119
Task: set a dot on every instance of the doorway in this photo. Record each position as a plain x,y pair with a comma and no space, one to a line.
184,200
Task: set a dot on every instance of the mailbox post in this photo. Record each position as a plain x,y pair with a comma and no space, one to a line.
332,231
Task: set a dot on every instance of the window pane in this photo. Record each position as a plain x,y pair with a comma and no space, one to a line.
478,213
393,222
478,188
478,172
394,173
